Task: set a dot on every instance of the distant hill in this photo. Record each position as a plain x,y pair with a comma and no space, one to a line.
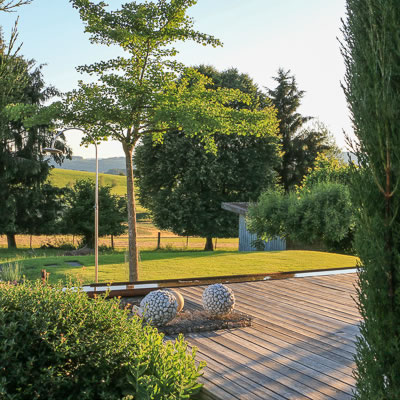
66,178
89,164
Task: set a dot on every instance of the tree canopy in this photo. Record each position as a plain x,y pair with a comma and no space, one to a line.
140,94
78,216
183,184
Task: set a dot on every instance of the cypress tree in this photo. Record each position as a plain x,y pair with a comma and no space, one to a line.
372,87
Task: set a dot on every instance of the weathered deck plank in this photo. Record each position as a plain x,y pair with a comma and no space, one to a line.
300,346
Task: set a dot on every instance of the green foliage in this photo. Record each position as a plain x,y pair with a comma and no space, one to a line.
326,170
322,214
372,88
268,217
27,204
10,272
183,184
300,146
78,218
60,344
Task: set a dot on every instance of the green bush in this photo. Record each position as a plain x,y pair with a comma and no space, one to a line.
62,345
267,218
322,214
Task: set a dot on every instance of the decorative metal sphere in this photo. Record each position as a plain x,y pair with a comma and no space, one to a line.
218,299
159,307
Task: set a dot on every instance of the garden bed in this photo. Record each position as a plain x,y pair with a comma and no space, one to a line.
191,319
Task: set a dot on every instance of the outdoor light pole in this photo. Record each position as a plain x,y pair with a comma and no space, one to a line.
53,150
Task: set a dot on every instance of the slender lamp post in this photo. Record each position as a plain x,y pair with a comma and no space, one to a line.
53,150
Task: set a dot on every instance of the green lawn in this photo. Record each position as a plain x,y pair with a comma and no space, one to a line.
182,264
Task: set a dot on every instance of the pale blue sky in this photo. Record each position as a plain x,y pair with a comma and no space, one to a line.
259,36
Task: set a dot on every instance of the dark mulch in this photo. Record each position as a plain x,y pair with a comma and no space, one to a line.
193,319
188,321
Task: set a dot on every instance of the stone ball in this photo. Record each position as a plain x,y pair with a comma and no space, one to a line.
159,307
218,299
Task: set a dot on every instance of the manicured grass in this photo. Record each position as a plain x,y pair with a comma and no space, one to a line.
184,264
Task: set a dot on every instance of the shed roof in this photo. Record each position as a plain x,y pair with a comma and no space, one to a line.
237,208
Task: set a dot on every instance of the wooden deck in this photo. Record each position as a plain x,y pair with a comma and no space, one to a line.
300,346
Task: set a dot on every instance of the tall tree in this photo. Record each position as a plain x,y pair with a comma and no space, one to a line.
183,185
140,95
24,131
300,146
372,87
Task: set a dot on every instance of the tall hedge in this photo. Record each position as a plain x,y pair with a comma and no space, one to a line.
371,51
57,344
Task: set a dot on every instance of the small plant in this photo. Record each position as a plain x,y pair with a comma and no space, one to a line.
10,272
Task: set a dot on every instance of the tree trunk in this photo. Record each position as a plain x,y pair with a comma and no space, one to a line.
209,244
12,244
112,242
130,186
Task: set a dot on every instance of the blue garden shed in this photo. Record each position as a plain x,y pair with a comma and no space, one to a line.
245,237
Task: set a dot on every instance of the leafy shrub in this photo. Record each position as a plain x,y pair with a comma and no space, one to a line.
325,213
322,213
10,272
267,218
62,345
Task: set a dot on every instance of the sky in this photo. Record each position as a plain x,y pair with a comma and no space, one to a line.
259,37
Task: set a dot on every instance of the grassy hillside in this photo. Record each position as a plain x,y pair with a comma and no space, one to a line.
66,177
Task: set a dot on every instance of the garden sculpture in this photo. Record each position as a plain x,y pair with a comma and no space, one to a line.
218,299
159,307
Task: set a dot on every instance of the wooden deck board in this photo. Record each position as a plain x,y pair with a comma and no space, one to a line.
300,346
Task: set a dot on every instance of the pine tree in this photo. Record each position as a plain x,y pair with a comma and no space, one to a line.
24,131
372,87
300,146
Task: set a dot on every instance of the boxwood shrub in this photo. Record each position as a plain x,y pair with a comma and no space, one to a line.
57,344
